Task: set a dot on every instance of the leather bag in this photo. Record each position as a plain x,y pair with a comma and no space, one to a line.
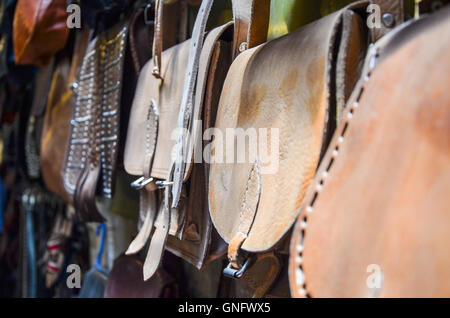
39,30
186,229
375,220
295,88
91,157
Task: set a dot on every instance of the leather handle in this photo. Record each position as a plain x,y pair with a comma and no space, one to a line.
251,23
392,14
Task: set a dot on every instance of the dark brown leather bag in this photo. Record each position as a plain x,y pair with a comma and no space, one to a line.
39,30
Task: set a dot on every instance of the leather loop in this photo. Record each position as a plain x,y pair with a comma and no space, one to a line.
262,274
248,212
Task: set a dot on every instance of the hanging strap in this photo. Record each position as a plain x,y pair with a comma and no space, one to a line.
251,23
187,102
391,14
158,38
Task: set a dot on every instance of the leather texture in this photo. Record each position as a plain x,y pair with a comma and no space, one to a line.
288,84
39,30
376,216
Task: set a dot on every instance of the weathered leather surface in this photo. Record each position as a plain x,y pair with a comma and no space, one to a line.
381,194
39,30
286,84
61,100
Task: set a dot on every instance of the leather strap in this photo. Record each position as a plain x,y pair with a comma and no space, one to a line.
84,196
251,23
204,65
247,215
187,102
159,238
147,206
147,196
158,38
388,8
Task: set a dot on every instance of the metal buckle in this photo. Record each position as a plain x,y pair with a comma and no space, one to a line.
141,183
163,184
231,272
147,20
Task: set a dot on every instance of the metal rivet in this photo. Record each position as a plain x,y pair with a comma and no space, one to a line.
243,46
388,20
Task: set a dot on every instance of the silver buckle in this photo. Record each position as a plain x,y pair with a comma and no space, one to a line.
141,183
163,184
231,272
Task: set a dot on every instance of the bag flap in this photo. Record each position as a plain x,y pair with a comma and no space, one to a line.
285,92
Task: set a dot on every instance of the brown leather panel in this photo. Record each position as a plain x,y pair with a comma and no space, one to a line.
380,196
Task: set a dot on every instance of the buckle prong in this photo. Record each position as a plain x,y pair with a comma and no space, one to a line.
141,183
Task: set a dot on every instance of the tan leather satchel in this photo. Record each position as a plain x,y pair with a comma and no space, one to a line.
376,220
281,101
151,138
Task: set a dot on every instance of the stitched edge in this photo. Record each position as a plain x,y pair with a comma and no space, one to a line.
300,277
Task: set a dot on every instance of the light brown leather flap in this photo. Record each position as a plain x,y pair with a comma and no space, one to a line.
287,86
